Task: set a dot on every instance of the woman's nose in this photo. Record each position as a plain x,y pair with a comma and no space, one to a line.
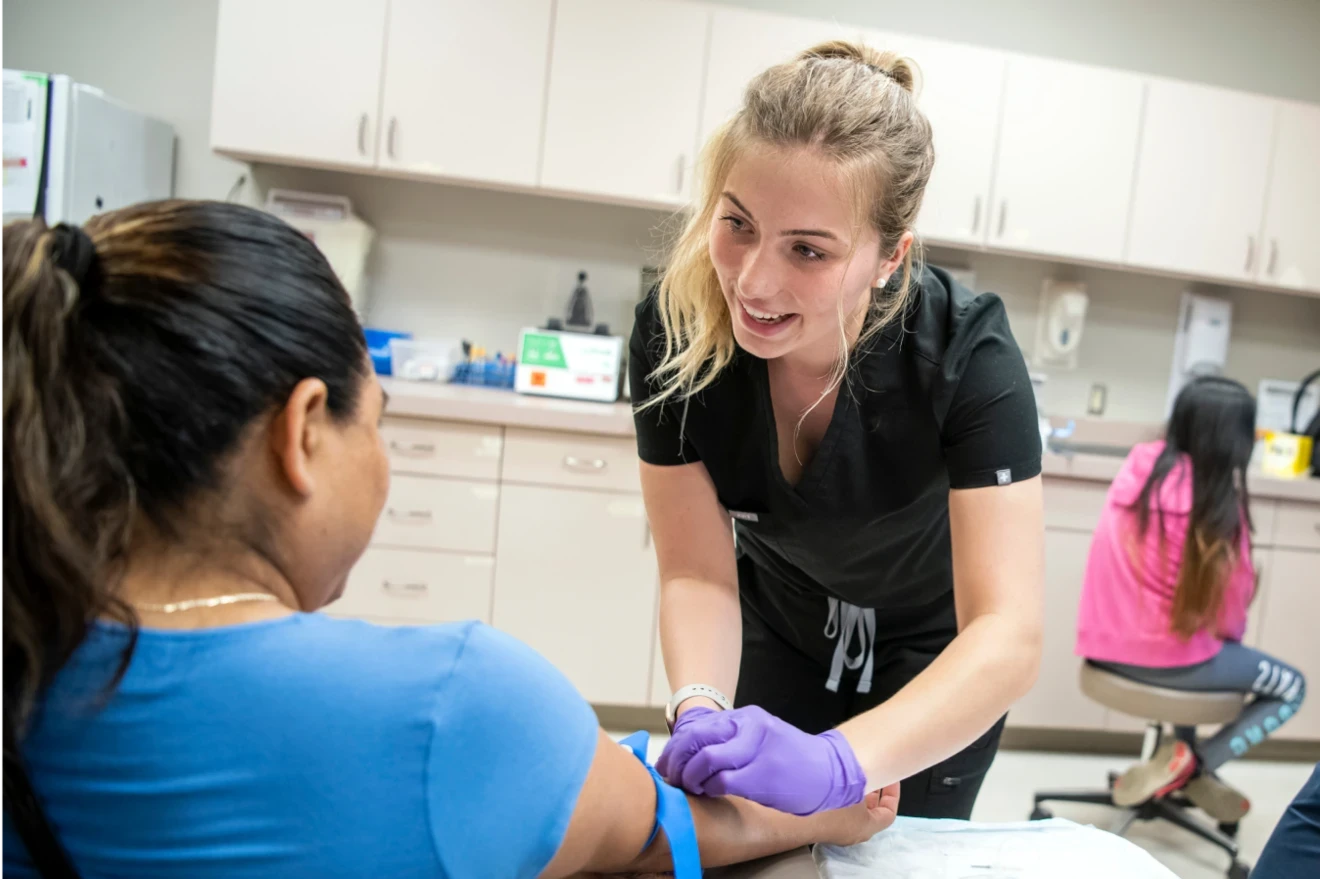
757,277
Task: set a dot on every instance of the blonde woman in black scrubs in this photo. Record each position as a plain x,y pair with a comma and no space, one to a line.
840,459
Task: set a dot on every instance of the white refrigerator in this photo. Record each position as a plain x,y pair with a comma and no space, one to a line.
71,152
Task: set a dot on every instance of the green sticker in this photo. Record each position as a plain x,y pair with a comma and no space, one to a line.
38,78
539,349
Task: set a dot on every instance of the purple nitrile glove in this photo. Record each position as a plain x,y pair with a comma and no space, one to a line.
752,754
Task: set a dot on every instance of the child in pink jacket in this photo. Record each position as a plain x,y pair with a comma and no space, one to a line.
1168,583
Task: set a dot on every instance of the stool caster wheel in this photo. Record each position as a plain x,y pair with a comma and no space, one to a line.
1238,870
1040,813
1229,829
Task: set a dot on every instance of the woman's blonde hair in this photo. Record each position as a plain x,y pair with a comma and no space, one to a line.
856,106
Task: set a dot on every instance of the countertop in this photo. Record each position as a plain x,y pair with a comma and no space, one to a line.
1103,468
491,406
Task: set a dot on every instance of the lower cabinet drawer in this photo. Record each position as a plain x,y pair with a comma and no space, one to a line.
424,512
418,587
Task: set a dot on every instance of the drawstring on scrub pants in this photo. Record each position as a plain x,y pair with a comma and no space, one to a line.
848,621
672,814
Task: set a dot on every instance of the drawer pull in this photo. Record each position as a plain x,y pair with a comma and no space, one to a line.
410,515
412,448
409,590
584,465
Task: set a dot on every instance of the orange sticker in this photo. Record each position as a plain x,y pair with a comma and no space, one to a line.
538,379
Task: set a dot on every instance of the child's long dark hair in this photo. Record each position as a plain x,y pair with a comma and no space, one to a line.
1213,425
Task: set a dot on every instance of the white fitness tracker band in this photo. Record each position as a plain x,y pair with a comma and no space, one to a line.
688,692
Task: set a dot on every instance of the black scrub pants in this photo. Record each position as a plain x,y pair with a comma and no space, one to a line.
788,681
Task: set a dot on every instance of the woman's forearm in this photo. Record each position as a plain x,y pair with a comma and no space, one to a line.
731,830
985,669
701,634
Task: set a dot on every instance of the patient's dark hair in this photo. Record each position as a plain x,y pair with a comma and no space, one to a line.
1213,426
137,351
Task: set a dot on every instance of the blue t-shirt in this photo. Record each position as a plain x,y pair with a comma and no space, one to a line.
309,747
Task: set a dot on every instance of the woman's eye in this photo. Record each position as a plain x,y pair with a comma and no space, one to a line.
807,253
736,224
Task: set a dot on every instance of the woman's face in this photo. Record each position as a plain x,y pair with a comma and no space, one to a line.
788,256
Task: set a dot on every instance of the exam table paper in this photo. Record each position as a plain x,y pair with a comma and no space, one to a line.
922,848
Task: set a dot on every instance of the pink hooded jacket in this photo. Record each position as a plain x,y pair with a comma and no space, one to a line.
1126,609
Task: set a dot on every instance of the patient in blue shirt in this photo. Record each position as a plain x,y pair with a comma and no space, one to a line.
192,466
311,746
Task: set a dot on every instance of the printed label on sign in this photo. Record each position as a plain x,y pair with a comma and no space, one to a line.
543,350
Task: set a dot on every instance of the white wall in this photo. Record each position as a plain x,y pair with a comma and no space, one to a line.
1266,46
457,262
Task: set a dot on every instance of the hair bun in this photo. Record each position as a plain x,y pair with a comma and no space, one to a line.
72,250
891,64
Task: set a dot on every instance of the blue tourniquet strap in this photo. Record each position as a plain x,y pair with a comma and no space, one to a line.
671,813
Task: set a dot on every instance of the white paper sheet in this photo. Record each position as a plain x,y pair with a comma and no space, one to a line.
24,135
920,848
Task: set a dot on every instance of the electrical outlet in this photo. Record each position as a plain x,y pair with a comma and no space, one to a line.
1095,403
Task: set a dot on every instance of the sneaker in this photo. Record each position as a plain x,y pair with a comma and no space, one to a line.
1216,798
1170,768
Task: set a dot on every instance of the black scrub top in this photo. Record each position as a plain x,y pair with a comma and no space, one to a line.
936,401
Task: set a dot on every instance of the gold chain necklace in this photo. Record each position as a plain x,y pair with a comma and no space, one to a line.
217,601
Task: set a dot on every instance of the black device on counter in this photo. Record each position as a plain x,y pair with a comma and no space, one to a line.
1313,429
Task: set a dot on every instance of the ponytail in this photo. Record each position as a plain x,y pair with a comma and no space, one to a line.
67,501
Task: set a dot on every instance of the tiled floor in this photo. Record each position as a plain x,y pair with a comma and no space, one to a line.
1016,775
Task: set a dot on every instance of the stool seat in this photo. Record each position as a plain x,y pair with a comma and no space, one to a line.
1178,707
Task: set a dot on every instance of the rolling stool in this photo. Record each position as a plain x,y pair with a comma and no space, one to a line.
1157,706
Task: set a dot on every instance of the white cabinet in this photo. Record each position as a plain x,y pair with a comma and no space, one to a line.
409,586
743,43
575,577
1201,178
1287,628
1056,701
1291,234
1067,147
295,81
961,89
624,95
464,90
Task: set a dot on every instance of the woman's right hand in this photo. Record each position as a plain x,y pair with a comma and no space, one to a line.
859,823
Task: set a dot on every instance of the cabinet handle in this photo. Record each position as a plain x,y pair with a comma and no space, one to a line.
1274,257
412,448
1251,252
362,134
389,144
1003,217
410,515
584,465
646,534
410,590
976,215
682,174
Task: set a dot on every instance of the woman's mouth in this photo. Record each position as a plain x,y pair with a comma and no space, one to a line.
765,323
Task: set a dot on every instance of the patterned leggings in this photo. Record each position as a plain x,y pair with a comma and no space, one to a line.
1278,689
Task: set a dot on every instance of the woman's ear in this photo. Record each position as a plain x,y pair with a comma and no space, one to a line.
889,266
299,432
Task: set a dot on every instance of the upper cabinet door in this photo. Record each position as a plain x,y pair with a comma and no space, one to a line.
625,90
295,81
961,89
464,89
1067,148
1201,179
744,43
1291,242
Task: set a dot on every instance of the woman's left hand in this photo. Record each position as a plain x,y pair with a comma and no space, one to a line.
752,754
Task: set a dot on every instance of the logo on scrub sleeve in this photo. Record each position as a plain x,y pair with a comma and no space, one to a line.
1003,477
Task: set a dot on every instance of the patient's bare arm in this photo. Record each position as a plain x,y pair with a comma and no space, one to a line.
616,811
